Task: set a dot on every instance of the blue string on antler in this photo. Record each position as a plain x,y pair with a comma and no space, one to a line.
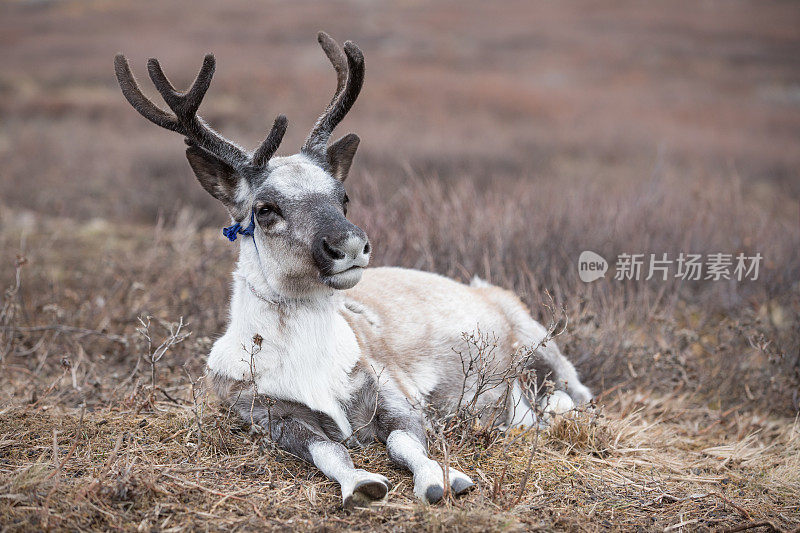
232,231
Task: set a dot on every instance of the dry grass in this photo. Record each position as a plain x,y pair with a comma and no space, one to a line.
557,128
641,465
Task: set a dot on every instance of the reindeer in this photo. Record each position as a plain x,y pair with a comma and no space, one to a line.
322,352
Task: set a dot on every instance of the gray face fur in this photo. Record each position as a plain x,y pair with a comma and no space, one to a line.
301,209
303,239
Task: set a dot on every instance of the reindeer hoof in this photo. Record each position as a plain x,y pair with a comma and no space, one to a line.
580,394
371,488
434,493
556,403
461,485
428,484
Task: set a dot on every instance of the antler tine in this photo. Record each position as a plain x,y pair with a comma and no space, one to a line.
355,80
185,104
186,121
264,153
337,59
133,94
159,79
344,98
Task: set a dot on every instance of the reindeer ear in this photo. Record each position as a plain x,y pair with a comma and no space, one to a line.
217,177
340,155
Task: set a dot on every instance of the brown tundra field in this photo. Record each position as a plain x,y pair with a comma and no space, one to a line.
499,139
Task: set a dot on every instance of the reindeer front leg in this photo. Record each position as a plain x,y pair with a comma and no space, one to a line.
401,427
359,487
297,429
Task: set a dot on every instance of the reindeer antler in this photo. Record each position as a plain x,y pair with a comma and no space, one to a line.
185,120
349,66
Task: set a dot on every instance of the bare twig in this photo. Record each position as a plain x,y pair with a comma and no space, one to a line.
752,525
62,328
72,448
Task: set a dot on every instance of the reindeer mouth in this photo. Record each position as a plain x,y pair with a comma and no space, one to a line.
346,279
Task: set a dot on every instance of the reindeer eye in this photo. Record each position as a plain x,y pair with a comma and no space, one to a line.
268,209
345,202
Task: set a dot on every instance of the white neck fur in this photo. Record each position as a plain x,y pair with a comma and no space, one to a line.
307,349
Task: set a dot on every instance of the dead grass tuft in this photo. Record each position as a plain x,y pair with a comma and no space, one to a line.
582,431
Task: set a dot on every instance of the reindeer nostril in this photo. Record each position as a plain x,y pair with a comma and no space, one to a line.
367,248
331,251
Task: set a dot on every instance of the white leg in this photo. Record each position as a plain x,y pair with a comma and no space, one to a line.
549,361
564,374
557,403
407,451
359,487
520,414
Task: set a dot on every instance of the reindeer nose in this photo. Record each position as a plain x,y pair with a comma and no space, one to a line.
337,253
348,252
332,252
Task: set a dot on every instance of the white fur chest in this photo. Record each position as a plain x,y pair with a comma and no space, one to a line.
306,355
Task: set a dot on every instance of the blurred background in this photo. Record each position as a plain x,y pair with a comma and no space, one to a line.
498,139
535,91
